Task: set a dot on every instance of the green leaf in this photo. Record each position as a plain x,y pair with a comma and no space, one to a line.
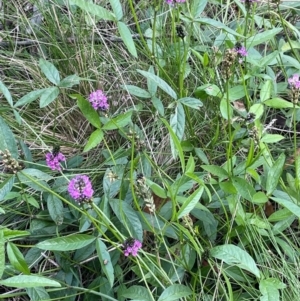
137,91
234,255
94,9
137,292
269,289
152,86
175,141
107,293
117,8
17,117
206,59
259,198
105,261
274,174
289,61
2,253
55,208
245,189
160,83
128,217
269,59
201,155
271,138
16,258
34,178
292,207
197,7
118,122
157,225
257,109
216,170
209,89
6,93
158,105
224,109
37,294
265,91
50,71
25,281
37,174
235,206
228,187
95,138
262,37
287,46
87,110
49,95
280,215
236,92
7,139
32,201
174,292
11,234
70,81
127,38
279,103
190,203
218,25
191,102
177,121
158,190
287,248
6,186
66,243
29,97
190,166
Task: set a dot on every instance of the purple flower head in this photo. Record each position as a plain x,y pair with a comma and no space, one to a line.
172,2
242,51
53,160
131,247
294,82
80,189
99,100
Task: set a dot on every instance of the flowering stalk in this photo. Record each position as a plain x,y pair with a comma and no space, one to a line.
99,100
172,2
131,247
80,189
294,83
53,160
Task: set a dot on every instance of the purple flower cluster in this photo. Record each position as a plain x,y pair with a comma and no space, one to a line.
294,82
131,246
242,51
53,160
172,2
99,100
80,189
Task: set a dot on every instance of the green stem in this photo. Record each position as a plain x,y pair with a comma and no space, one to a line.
295,148
229,148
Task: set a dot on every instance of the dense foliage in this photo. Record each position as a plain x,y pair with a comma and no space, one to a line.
149,150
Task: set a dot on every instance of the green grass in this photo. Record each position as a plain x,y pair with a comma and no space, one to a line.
187,159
